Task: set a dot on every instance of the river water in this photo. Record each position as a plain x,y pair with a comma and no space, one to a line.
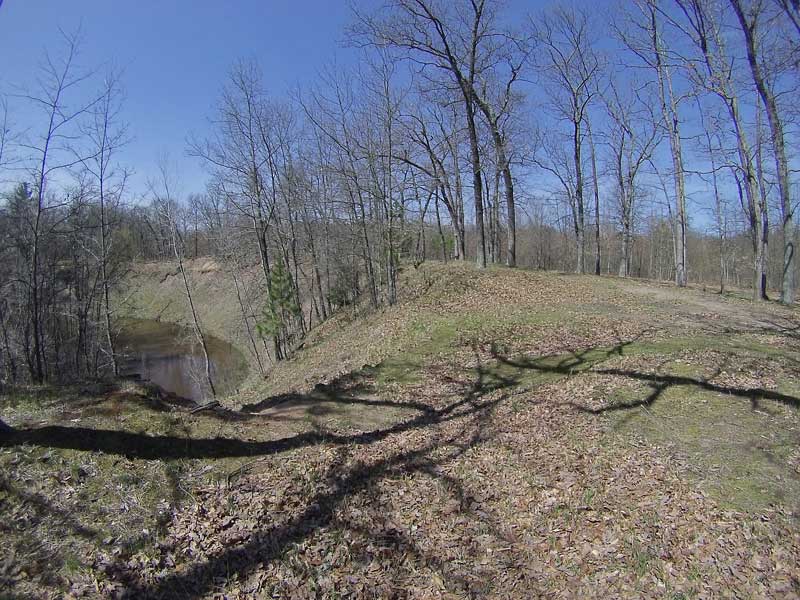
169,356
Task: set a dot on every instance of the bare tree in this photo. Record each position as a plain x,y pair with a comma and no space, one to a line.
50,153
596,192
753,18
106,134
6,135
644,36
167,209
242,157
429,130
456,39
633,136
380,149
571,67
702,24
496,99
340,120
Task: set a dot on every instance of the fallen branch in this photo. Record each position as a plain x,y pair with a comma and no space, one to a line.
212,404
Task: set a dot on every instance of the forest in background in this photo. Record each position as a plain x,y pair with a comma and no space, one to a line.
658,141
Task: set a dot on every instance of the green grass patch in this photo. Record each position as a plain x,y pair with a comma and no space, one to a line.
737,440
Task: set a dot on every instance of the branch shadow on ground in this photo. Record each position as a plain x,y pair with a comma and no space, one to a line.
341,391
469,413
466,415
590,360
164,447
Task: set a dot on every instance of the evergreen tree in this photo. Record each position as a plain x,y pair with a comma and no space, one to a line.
280,310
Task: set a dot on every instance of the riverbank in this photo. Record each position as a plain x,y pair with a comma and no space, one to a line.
154,292
496,434
169,356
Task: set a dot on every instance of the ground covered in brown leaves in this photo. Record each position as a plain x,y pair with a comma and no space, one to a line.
497,435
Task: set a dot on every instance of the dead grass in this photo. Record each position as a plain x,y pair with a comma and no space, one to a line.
496,434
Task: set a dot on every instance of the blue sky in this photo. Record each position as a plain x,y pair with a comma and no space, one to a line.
175,55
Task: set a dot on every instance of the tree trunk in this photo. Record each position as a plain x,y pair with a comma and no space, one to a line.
504,168
511,216
625,262
246,320
439,228
669,113
580,219
104,275
477,182
195,320
596,190
779,151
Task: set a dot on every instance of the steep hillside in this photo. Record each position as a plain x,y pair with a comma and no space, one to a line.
156,291
496,434
447,308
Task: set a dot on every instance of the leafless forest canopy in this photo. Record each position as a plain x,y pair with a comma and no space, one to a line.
655,140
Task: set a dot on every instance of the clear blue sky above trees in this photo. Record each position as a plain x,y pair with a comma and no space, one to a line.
175,56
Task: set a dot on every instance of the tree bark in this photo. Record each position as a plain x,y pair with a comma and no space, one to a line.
779,150
580,220
669,113
596,190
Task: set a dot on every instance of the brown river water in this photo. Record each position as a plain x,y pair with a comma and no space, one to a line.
168,355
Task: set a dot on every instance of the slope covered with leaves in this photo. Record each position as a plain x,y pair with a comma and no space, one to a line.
498,434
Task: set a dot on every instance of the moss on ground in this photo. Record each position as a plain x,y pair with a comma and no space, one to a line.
738,444
589,373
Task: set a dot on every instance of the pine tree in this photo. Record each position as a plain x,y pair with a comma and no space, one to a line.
280,310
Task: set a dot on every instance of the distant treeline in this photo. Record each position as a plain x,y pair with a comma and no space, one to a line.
558,141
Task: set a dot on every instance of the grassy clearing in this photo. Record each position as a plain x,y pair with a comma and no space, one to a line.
730,411
728,408
78,489
496,433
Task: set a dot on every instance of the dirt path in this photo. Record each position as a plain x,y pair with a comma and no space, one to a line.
716,311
